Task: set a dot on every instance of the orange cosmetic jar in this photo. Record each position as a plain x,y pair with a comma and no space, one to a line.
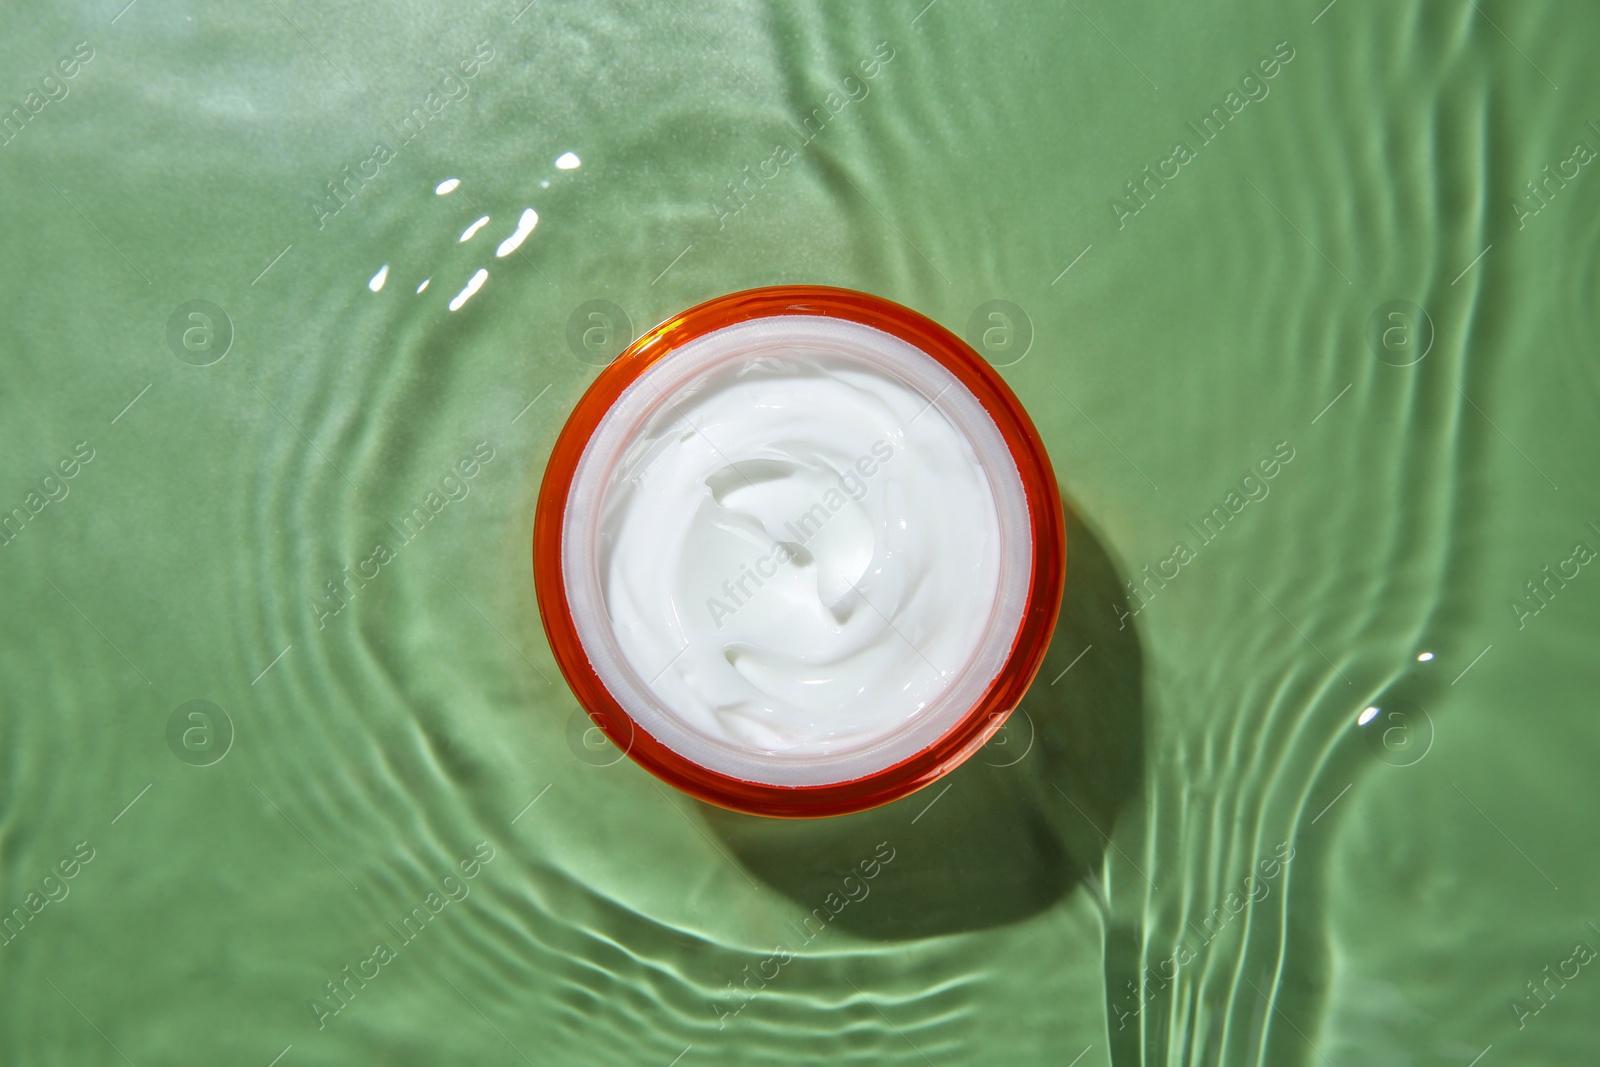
718,718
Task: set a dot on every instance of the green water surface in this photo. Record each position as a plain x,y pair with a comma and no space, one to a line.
1203,242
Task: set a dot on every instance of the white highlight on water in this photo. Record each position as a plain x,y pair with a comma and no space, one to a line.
473,285
525,225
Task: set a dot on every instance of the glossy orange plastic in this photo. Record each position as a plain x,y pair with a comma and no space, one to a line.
1038,617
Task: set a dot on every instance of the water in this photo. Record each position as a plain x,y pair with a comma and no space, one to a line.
1413,875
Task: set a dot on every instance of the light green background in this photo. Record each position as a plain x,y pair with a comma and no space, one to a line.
371,754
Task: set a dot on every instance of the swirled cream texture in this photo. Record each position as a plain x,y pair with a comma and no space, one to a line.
798,553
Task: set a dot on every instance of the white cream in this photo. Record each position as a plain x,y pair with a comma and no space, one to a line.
809,550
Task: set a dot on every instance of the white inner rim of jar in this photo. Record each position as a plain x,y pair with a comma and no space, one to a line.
638,407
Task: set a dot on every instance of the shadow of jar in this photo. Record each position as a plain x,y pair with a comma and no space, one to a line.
1010,831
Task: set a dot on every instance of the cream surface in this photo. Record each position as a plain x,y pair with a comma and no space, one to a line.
798,552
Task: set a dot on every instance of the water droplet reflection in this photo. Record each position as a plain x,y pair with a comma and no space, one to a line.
525,225
472,286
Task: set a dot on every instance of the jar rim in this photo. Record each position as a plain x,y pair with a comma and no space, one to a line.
1044,586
